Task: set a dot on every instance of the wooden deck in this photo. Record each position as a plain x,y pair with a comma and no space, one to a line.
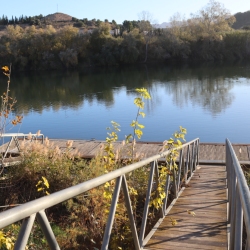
206,196
213,153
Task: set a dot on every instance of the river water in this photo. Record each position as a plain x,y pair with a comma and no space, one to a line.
211,101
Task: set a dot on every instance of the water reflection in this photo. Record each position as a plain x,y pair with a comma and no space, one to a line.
205,86
212,94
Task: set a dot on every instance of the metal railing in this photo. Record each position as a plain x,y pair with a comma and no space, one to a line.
239,200
14,137
188,161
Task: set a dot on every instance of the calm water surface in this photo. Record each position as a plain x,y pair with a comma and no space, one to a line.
212,102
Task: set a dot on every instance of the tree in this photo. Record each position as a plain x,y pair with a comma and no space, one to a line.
213,19
4,20
127,25
177,24
129,52
146,30
98,22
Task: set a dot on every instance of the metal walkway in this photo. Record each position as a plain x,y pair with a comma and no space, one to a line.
200,214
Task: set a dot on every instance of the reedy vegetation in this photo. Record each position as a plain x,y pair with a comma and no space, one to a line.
206,35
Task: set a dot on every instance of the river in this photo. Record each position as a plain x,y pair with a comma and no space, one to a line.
211,101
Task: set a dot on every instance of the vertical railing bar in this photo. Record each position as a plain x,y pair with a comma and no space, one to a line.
179,170
186,167
233,212
231,188
165,201
192,158
238,222
17,143
174,181
47,230
195,154
198,146
111,216
146,205
233,184
24,233
183,168
157,184
228,183
7,149
130,212
190,162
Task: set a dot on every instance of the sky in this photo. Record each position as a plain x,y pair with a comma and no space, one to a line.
161,10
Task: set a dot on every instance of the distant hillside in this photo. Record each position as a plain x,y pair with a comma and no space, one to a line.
162,25
242,20
58,17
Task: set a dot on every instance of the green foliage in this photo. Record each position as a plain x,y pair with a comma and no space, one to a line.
137,127
111,157
170,168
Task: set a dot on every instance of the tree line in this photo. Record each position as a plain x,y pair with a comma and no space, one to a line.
206,35
34,20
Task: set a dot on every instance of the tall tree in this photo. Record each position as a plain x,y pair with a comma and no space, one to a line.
146,30
213,19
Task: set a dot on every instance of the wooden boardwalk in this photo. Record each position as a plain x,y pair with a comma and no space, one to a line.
200,213
213,153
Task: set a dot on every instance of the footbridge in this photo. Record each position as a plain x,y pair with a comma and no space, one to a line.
210,206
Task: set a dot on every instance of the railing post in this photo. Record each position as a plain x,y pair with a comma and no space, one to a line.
46,228
174,182
24,232
186,167
130,212
146,205
179,172
238,222
197,159
192,159
233,209
111,216
157,184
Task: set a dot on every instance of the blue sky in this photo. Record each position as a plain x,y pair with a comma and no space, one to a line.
161,10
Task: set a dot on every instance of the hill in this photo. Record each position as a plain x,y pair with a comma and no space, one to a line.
58,17
242,20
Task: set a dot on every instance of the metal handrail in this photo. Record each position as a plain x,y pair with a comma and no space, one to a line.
28,211
14,137
239,200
